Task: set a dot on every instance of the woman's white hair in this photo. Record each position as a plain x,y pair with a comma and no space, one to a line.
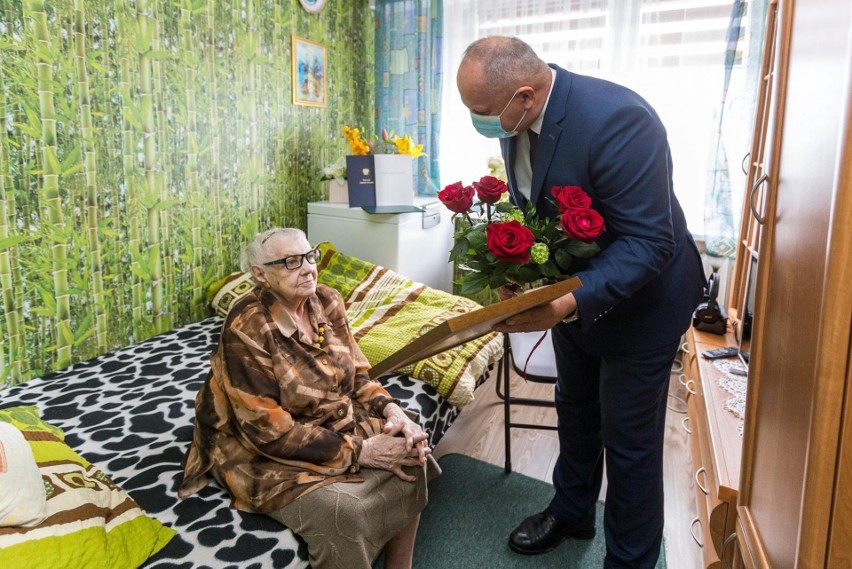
257,250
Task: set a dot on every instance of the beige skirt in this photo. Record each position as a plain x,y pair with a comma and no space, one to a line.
346,525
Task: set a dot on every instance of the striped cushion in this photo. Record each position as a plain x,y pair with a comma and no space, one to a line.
386,312
88,519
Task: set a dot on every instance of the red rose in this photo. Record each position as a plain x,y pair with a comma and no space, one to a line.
570,196
489,189
584,224
456,197
510,241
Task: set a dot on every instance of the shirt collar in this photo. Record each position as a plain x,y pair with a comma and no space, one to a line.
536,126
282,319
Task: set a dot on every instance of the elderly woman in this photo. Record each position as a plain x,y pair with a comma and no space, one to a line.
289,422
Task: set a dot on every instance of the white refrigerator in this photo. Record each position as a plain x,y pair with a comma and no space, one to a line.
416,245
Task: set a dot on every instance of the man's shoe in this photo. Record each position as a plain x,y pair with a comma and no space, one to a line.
542,532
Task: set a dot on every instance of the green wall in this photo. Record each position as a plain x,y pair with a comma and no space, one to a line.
142,143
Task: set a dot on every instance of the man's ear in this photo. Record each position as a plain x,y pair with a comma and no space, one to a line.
527,95
258,274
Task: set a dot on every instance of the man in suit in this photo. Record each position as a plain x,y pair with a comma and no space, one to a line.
616,337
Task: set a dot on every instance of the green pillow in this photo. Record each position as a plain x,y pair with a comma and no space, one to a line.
27,419
387,311
89,520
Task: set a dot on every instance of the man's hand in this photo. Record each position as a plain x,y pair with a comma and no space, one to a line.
509,290
540,318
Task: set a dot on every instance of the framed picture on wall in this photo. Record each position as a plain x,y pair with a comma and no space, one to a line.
312,6
309,70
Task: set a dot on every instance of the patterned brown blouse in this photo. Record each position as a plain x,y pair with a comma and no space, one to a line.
277,416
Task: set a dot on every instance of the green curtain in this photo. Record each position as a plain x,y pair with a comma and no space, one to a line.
409,76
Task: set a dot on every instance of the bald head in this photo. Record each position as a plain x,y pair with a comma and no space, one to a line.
504,62
501,75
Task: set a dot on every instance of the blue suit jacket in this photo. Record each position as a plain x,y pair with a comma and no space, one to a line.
640,291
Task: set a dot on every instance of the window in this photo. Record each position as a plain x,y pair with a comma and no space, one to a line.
671,52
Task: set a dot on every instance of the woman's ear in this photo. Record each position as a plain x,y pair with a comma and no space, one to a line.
258,274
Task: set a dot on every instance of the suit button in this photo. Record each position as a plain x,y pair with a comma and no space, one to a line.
334,388
341,412
353,469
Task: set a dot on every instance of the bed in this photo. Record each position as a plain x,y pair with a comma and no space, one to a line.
130,412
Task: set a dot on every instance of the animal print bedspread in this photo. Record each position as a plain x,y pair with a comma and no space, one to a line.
131,413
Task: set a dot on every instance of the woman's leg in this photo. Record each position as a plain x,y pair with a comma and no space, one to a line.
346,525
399,551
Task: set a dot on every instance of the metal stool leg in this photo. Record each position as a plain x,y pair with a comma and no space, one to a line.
507,408
505,394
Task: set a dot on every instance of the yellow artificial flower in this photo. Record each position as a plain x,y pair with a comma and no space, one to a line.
404,145
356,142
388,144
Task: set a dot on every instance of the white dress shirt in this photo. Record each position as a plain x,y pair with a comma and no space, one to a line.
523,167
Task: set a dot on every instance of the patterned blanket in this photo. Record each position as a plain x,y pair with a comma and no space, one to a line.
131,412
387,311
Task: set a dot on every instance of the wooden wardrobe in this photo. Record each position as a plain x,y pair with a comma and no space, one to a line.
794,503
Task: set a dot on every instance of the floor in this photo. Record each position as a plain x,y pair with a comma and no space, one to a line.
478,433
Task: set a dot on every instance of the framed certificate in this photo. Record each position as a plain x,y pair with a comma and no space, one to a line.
466,327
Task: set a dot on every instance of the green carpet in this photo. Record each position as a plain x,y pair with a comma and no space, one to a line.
474,506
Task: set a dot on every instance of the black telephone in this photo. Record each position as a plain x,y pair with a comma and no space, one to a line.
709,316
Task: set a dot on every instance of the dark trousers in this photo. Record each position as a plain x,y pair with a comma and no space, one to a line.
613,408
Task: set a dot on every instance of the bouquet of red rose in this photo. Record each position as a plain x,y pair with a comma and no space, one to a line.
497,243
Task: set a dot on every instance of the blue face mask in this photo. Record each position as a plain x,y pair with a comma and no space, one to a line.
489,126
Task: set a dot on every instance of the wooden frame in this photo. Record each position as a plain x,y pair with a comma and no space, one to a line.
308,73
469,326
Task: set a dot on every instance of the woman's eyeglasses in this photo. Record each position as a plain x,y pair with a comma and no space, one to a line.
293,262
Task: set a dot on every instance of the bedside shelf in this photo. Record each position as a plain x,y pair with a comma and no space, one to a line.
716,446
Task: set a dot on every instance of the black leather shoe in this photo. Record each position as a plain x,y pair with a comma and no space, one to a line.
542,532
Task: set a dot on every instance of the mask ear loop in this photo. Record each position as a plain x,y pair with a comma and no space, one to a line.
523,116
515,94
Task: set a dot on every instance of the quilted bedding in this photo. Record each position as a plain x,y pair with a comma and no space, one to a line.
130,412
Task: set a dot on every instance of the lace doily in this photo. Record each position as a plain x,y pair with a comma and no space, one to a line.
735,385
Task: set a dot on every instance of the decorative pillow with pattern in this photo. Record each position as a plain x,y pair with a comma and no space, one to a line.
225,293
89,521
386,312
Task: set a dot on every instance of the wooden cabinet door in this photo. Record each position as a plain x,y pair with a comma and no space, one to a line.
800,342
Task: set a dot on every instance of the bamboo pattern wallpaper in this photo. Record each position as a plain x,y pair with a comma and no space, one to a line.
142,142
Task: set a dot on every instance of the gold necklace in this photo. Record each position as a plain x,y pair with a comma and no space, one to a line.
320,336
319,333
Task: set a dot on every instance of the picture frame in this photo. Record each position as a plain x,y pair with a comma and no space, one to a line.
308,73
470,325
313,6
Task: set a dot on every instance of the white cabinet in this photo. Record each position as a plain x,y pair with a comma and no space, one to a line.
416,245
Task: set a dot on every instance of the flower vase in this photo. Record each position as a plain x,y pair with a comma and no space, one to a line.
338,191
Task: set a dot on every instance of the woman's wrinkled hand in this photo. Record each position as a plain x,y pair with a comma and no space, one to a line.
398,424
389,452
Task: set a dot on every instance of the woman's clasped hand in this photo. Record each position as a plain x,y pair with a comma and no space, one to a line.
403,443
